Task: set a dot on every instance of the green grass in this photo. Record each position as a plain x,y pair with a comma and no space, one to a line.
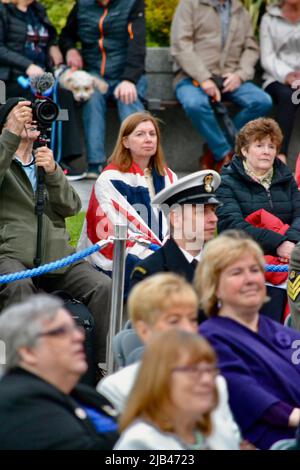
74,225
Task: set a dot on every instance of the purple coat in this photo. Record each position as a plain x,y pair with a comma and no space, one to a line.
261,369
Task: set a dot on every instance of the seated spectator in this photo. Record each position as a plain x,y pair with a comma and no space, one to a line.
124,191
215,52
41,405
112,35
279,38
256,180
175,391
191,198
28,47
19,223
159,303
257,356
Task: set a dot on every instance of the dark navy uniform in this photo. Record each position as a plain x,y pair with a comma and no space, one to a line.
169,258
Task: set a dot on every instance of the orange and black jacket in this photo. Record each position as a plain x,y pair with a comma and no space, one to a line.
112,37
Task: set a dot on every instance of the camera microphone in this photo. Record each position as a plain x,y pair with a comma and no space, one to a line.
45,110
42,83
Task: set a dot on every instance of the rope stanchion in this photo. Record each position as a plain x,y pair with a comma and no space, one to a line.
118,278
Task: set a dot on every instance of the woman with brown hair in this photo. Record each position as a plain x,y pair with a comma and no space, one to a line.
261,197
257,356
123,194
174,394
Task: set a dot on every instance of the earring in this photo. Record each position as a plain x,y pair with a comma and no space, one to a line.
219,303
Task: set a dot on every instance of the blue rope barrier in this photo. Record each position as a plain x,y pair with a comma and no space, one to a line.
277,268
7,278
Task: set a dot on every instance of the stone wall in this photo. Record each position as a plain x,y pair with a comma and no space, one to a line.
181,143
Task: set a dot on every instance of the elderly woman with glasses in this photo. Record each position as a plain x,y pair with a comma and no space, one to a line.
258,357
41,405
173,396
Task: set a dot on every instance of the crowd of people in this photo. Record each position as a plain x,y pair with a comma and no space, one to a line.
214,367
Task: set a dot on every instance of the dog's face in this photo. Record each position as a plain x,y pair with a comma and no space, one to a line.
82,84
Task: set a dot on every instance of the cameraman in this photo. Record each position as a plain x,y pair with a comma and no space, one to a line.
18,222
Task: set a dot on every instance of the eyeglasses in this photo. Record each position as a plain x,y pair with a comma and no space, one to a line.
197,370
63,330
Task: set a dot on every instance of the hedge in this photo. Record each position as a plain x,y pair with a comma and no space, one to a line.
158,15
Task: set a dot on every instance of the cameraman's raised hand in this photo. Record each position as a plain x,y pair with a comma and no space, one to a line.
20,115
44,158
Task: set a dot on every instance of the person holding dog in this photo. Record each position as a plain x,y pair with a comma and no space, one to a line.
28,47
212,41
18,222
113,46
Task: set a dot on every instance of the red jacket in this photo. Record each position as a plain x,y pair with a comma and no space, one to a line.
265,219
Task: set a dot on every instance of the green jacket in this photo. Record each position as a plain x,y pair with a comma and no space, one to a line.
18,221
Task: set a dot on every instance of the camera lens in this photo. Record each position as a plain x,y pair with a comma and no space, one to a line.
45,111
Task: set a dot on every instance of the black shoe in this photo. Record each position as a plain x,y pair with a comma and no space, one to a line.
71,173
93,171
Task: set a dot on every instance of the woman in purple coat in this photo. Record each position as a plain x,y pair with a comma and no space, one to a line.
258,357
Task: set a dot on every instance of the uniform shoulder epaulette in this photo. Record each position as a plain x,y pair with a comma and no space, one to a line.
293,288
139,269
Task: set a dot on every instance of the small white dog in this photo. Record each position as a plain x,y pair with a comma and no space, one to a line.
81,84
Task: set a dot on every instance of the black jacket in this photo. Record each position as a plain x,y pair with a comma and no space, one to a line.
113,38
241,196
34,415
13,32
169,258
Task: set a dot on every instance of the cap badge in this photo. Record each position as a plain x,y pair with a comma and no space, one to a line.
208,179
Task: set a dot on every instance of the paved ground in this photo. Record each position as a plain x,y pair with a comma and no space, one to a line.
84,188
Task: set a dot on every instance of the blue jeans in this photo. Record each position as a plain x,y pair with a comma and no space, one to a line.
253,101
94,118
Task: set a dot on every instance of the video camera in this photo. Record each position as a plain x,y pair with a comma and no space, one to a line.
45,110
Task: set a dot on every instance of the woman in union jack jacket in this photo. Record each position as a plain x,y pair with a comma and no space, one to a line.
123,194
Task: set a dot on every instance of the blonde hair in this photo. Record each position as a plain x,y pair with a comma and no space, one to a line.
218,254
157,293
150,398
122,157
257,130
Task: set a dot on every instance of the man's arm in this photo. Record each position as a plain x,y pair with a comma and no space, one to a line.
63,198
136,47
250,53
182,43
68,36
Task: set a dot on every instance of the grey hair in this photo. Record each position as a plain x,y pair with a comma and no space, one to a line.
21,324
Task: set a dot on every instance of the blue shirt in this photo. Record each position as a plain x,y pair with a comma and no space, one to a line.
30,170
